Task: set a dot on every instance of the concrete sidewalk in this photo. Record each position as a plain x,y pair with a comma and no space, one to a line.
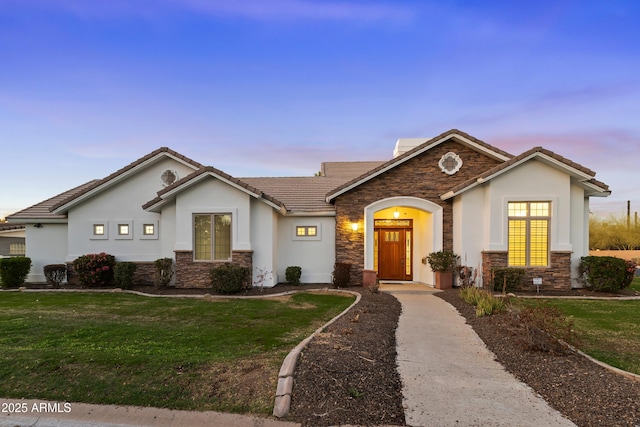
449,376
86,415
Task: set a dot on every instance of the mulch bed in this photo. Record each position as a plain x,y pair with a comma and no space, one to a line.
584,392
347,374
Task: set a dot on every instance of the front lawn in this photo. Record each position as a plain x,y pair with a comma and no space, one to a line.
606,330
635,285
123,349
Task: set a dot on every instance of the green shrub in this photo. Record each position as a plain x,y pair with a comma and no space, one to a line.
442,260
94,269
14,271
604,273
486,304
55,274
341,274
292,274
629,273
514,278
164,271
471,295
230,278
123,274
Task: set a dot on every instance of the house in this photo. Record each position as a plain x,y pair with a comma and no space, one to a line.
12,240
451,192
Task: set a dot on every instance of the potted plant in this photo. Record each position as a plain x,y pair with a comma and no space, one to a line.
443,263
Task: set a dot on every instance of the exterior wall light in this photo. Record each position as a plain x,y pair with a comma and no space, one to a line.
354,226
396,214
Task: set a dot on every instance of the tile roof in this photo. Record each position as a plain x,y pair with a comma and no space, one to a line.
42,210
299,194
347,170
450,134
98,183
6,226
535,151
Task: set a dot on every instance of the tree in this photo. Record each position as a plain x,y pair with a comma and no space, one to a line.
613,233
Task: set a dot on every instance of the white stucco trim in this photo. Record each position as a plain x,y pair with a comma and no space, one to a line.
412,202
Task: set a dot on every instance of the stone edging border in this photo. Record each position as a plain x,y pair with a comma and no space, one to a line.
285,376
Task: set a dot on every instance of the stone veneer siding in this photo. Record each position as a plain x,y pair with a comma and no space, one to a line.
556,276
192,274
418,177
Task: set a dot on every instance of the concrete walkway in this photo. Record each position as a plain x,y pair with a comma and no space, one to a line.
449,376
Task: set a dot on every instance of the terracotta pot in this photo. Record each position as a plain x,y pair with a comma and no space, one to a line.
444,279
369,278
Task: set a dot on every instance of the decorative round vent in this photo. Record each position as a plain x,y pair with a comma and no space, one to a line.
450,163
168,177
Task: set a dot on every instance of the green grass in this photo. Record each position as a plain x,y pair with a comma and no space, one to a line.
606,330
635,285
163,352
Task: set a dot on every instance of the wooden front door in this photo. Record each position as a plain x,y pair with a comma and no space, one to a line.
395,249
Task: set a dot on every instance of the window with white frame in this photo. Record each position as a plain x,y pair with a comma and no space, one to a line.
529,233
99,230
124,229
212,237
147,230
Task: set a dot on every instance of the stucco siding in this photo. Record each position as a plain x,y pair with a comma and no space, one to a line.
315,256
121,204
263,230
208,197
47,245
470,219
533,181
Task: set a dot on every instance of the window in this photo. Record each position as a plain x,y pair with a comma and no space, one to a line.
123,229
212,237
17,249
529,234
147,230
306,230
98,230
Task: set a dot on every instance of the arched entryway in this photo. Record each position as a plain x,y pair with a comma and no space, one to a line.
399,233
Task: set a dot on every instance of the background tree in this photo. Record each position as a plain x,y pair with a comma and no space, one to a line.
613,233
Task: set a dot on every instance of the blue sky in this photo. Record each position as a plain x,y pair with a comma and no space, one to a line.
274,87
